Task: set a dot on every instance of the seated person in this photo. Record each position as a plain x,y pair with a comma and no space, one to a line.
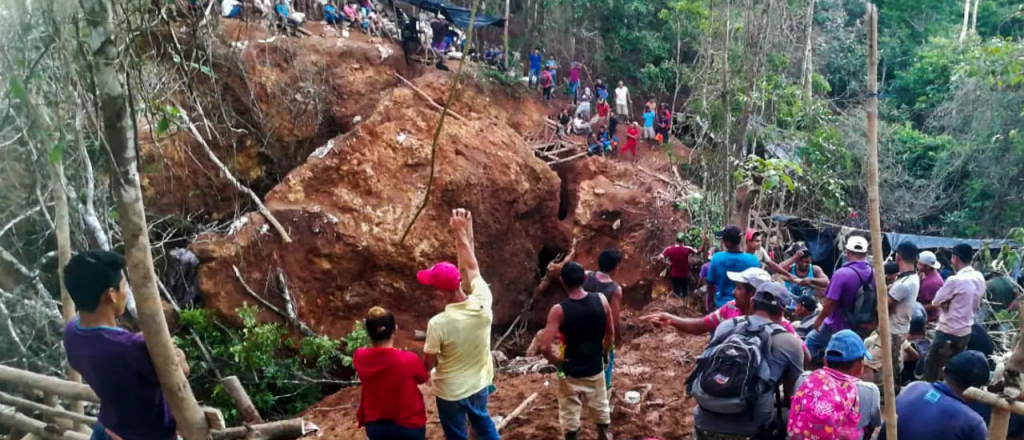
610,141
331,13
230,9
286,16
563,121
594,144
580,126
805,312
350,12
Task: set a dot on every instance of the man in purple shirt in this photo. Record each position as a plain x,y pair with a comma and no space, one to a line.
931,281
114,362
841,296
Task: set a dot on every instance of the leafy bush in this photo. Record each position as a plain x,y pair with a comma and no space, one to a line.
263,358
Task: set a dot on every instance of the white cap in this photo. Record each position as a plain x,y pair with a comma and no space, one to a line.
754,276
857,244
928,258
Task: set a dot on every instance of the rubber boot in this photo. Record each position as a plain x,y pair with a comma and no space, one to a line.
604,432
572,435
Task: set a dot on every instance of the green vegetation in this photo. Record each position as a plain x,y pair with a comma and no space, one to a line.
263,357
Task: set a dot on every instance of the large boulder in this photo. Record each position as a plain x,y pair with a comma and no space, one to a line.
347,206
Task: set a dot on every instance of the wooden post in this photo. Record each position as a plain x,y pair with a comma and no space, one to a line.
245,407
999,424
505,40
876,225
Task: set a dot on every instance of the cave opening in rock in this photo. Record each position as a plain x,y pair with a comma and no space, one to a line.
565,194
546,255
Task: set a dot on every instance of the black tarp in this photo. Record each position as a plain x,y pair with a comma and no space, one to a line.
457,15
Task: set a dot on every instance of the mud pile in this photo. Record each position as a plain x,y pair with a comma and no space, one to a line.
347,206
282,98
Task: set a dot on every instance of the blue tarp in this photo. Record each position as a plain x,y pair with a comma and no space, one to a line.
457,15
895,238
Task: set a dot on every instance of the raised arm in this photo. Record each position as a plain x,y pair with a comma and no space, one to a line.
820,280
547,336
462,228
693,326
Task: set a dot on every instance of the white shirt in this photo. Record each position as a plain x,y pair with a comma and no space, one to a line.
959,300
226,6
620,95
904,292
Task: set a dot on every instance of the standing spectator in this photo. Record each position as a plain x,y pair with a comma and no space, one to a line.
732,260
1000,290
841,295
902,297
585,322
546,84
931,281
586,97
938,410
622,99
534,75
649,116
114,362
702,281
678,258
391,405
958,301
664,122
601,90
632,136
552,65
613,124
459,339
603,110
853,407
602,282
574,81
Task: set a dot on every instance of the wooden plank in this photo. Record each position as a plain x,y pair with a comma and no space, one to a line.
47,384
23,423
48,411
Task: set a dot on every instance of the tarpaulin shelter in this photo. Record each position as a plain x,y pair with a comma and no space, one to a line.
824,240
457,15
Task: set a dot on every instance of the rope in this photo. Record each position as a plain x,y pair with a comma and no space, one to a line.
440,121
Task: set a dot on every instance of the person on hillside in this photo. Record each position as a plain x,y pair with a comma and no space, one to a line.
632,137
747,283
352,16
601,90
958,301
832,402
601,282
114,362
677,257
580,126
708,289
331,13
603,110
534,75
841,295
583,109
649,133
938,410
724,410
574,81
622,99
931,281
288,20
390,405
1000,289
585,322
663,123
230,9
563,122
754,240
804,314
806,277
552,66
902,297
732,260
613,124
547,83
459,339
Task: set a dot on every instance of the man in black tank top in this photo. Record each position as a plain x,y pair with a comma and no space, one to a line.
601,282
585,322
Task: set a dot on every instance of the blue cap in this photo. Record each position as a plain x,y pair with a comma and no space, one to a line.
846,346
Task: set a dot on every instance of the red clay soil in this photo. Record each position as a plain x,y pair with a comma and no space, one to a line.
662,358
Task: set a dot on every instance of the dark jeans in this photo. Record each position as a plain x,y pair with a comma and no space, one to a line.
453,417
547,93
680,286
388,430
944,346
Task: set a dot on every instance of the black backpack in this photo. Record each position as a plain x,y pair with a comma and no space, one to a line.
733,373
864,315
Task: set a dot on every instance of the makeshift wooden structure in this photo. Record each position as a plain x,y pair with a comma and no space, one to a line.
25,415
558,151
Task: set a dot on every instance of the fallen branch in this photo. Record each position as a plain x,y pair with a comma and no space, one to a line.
515,413
46,410
430,101
303,328
245,407
283,430
577,156
47,384
510,328
238,185
23,423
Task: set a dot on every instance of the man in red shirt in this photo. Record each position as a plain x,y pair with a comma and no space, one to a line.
603,110
547,83
632,137
678,258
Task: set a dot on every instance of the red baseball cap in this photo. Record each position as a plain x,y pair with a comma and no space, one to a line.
442,276
751,233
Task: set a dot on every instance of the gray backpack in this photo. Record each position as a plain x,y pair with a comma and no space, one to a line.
733,372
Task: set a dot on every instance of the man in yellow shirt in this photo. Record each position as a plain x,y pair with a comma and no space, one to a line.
459,339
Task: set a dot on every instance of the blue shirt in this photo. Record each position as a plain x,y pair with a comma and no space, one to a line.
281,9
648,119
330,11
724,262
933,411
535,61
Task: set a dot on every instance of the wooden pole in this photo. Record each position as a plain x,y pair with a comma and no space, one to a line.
46,410
994,400
999,424
27,424
283,430
505,38
63,223
515,413
47,384
245,407
876,225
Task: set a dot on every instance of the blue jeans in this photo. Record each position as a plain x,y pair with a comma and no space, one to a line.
534,76
817,341
453,417
608,368
388,430
573,86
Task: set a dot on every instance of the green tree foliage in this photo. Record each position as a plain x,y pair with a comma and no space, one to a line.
262,356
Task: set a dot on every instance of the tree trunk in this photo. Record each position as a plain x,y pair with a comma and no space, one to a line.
974,17
967,16
727,113
505,37
809,53
119,134
679,73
